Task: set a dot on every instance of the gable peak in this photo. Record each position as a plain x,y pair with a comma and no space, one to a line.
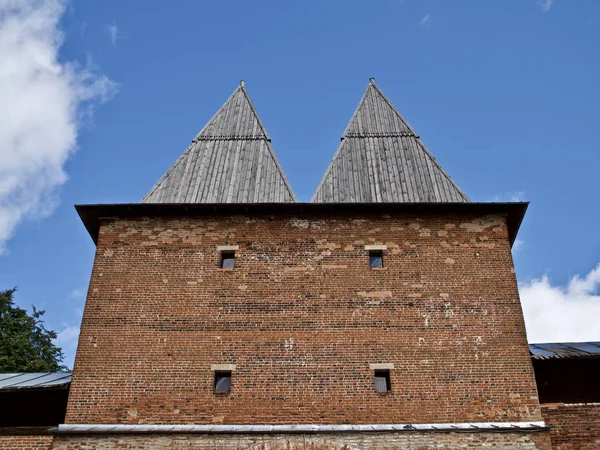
375,115
229,161
382,159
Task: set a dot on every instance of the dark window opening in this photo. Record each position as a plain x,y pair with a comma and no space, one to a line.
33,407
227,260
223,382
382,381
376,259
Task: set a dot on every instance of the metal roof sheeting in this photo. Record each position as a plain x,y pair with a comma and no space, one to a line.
34,380
565,350
230,161
382,159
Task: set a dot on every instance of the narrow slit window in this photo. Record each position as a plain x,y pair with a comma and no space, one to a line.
382,381
376,259
227,260
223,382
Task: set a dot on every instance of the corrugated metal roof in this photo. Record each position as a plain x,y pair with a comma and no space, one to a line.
34,380
230,161
565,350
382,159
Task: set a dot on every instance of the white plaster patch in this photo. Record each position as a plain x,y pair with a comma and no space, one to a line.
480,224
376,247
380,294
289,344
299,223
222,367
448,310
227,248
426,317
381,366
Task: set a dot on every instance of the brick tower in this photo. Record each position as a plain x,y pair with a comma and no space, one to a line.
223,314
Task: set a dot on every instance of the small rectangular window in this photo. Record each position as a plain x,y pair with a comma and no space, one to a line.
223,381
376,259
382,381
227,260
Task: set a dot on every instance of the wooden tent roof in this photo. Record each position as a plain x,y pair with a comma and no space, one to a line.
230,161
382,159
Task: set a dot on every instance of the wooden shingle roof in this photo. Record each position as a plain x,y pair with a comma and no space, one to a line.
230,161
382,159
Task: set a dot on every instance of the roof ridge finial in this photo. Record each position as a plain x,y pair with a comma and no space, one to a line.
242,83
372,80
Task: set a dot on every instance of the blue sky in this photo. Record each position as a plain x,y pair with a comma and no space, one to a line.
103,96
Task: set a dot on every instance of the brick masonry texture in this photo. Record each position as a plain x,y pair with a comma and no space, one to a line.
302,316
26,442
363,441
576,426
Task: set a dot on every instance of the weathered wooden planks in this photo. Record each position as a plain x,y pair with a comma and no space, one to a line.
382,159
230,161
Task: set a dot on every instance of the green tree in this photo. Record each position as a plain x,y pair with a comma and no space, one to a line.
25,343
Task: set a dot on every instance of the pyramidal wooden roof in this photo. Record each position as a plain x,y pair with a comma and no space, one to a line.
230,161
382,159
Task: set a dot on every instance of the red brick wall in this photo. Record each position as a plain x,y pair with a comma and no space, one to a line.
302,316
26,442
576,426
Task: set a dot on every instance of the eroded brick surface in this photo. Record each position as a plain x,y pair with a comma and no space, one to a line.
302,316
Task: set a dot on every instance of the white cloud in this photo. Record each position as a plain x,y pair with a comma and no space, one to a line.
545,5
67,337
509,197
68,331
40,111
518,245
113,32
77,294
425,19
555,313
67,340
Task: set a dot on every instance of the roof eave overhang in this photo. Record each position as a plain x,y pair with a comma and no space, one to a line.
53,387
563,358
91,215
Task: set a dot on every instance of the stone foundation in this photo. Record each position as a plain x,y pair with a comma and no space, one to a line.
339,441
28,442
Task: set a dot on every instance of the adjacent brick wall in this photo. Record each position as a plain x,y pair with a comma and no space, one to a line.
26,442
302,316
363,441
576,426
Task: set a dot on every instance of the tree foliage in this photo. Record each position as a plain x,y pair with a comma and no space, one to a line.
25,343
